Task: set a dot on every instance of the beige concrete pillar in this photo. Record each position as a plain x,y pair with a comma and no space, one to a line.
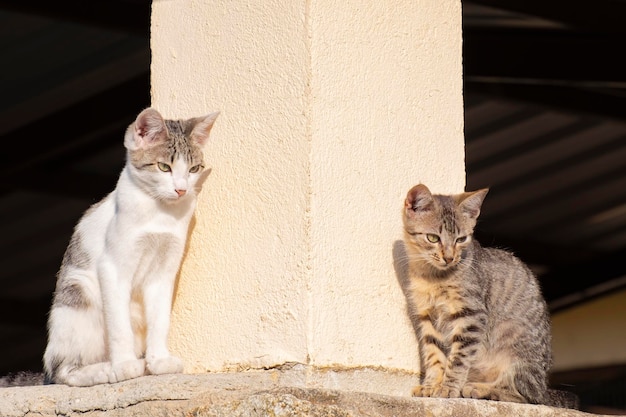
331,111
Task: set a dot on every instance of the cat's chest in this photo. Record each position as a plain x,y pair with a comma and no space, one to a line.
439,300
144,217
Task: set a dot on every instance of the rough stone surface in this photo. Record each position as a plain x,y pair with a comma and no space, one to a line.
250,394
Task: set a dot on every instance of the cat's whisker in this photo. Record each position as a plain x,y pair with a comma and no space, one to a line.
478,310
115,241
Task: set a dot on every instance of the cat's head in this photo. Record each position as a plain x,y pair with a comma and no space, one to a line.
438,228
165,156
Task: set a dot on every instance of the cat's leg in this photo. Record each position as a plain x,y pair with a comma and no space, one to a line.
157,297
516,369
530,381
116,298
75,354
467,333
433,353
500,377
514,384
491,391
89,375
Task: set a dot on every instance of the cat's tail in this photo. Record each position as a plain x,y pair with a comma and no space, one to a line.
22,379
562,399
531,382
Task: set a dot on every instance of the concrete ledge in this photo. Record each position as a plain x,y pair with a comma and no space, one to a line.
276,392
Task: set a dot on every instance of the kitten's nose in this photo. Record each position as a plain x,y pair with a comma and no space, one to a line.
448,259
181,192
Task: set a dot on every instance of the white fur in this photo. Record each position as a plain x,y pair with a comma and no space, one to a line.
135,240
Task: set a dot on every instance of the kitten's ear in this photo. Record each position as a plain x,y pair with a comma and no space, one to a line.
418,198
147,130
202,127
471,202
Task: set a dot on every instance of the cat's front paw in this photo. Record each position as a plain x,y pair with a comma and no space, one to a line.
444,391
128,369
485,391
166,365
436,391
422,390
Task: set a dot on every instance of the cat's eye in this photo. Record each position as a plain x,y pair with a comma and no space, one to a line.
432,238
461,239
164,167
194,169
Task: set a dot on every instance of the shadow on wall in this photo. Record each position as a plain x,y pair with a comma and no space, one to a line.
401,267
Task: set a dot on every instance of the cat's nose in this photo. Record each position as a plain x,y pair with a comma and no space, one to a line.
448,259
181,192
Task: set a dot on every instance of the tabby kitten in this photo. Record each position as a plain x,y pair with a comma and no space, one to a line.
110,313
483,323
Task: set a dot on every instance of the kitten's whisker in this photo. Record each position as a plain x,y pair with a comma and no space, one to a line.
479,306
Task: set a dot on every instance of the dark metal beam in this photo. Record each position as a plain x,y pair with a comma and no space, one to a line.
583,280
132,16
544,56
71,134
572,71
597,16
87,186
25,312
599,102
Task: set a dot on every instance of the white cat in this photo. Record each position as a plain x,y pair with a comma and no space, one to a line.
110,314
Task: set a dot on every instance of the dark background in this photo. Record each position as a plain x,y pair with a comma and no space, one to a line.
545,129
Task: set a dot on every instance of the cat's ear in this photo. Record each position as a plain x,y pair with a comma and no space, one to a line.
418,198
202,127
471,202
148,129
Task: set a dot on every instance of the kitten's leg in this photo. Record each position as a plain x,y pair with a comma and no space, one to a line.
158,305
467,331
434,358
514,383
512,375
491,391
531,382
116,294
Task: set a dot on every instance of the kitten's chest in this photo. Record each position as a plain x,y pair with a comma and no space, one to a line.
438,300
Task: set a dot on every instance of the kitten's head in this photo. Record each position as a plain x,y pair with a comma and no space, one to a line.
438,228
165,156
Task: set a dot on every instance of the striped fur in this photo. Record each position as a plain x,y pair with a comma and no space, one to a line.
484,327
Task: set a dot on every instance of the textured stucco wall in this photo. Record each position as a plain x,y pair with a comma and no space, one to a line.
242,296
331,111
386,113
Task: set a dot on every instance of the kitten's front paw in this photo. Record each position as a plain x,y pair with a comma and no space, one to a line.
445,391
485,391
129,369
422,391
436,391
167,365
473,391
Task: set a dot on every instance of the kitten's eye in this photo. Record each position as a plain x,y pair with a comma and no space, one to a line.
164,167
432,238
194,169
461,239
